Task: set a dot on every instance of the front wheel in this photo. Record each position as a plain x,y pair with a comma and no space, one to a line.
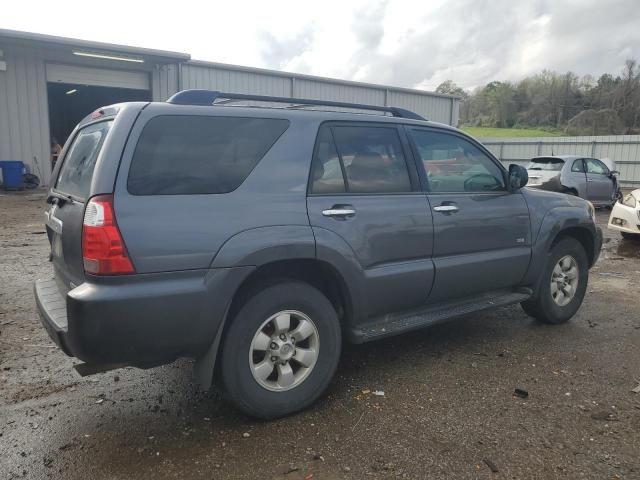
281,350
563,283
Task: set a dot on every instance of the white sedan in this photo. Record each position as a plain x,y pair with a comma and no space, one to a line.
625,215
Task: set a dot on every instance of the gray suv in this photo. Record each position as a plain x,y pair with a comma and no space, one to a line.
257,240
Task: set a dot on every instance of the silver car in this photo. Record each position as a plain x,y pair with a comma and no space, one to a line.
588,178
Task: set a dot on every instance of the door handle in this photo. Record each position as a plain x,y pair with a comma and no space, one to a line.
446,208
340,212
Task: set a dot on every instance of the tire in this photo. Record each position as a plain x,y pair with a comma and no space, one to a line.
543,306
242,358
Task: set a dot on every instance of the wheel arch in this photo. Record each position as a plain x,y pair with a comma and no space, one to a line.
582,235
557,223
317,273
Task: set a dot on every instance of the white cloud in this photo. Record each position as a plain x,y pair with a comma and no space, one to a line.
406,43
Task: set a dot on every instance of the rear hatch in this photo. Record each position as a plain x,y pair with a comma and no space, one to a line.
543,169
67,198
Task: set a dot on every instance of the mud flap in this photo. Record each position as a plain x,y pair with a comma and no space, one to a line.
205,365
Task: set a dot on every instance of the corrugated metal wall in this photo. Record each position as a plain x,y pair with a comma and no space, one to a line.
24,108
164,82
622,149
228,78
199,76
24,112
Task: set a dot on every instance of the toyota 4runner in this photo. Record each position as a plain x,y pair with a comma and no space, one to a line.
257,240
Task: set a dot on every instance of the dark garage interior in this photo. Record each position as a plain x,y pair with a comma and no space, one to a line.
69,103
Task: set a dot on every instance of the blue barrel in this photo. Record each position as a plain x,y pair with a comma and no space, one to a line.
12,171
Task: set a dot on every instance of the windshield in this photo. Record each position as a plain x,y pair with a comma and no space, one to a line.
548,163
77,170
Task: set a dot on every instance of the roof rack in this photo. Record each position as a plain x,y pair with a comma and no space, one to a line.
208,97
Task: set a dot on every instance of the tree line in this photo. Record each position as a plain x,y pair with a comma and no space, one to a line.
561,102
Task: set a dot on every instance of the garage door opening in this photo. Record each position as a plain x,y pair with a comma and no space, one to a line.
69,103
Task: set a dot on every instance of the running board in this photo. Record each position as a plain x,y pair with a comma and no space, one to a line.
397,323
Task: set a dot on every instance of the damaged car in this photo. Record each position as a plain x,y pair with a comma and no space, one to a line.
588,178
625,216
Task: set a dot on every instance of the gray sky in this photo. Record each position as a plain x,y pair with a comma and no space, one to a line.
397,42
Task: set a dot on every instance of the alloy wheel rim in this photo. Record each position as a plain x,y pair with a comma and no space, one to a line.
284,350
564,280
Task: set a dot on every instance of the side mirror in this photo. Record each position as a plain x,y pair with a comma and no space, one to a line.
518,177
614,172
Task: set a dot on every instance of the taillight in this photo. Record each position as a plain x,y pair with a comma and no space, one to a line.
103,249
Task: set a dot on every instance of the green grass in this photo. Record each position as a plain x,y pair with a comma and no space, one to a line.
485,132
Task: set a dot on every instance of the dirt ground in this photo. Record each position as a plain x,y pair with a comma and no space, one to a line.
448,409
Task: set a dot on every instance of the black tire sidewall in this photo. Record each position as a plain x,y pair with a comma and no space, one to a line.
237,378
551,311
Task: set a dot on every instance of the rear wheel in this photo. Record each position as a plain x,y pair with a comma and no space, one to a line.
563,283
281,350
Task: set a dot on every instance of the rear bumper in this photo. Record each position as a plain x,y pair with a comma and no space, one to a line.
53,311
139,320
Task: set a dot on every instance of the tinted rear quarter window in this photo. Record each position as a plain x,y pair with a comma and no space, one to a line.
77,170
182,155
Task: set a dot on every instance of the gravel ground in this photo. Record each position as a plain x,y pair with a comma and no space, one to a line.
448,408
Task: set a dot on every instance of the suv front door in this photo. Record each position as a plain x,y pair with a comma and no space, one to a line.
365,197
482,238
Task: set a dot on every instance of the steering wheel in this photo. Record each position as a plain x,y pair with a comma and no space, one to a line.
484,181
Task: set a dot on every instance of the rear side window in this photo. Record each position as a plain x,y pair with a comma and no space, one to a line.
327,174
182,155
77,170
359,160
578,166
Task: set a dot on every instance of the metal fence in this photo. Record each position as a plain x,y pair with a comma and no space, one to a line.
624,150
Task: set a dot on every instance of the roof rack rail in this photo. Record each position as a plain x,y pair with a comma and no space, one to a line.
208,97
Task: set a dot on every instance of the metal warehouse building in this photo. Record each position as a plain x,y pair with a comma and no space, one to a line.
47,84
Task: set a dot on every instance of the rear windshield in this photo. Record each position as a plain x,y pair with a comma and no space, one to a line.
180,155
77,170
546,163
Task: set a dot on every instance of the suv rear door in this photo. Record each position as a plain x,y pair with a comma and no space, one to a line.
68,196
363,191
481,231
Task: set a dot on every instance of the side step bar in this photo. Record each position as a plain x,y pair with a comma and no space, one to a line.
395,324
